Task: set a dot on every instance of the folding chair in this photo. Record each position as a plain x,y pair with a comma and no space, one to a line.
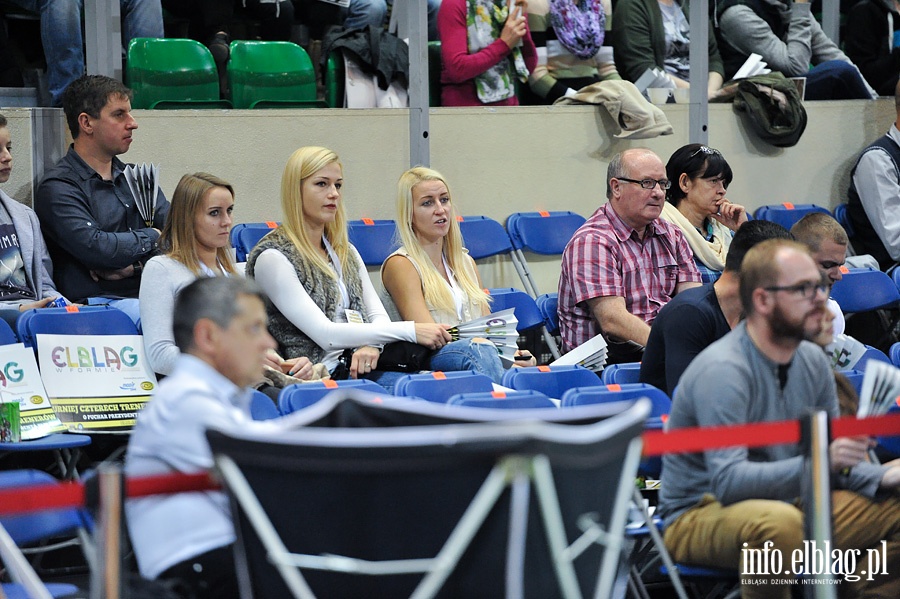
864,289
545,233
552,381
618,374
503,400
262,407
374,239
487,536
786,213
548,303
73,320
439,386
7,335
527,312
246,235
302,395
841,216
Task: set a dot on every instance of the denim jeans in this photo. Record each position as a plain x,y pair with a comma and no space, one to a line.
835,80
466,354
362,13
385,378
61,35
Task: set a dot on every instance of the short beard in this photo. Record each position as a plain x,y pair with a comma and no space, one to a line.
784,330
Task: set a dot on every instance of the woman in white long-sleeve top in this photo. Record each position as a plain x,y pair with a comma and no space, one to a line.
321,299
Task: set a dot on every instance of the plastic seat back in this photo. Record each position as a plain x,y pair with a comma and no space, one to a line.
864,289
172,73
786,214
271,75
503,400
543,232
547,304
374,239
246,235
619,374
73,320
841,216
552,381
262,407
334,80
439,387
7,335
27,529
661,404
856,377
302,395
526,310
483,236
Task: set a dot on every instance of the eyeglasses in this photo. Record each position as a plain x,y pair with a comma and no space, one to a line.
664,184
706,150
807,290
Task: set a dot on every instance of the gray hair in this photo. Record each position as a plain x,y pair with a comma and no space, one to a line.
214,298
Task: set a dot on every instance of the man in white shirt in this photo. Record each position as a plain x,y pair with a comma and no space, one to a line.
873,200
220,328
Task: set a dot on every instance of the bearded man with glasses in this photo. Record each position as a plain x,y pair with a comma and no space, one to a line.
624,263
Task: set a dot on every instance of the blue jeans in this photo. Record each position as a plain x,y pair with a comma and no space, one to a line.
128,305
835,80
362,13
61,35
465,354
385,378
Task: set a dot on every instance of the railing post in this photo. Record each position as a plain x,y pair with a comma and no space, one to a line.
106,579
815,436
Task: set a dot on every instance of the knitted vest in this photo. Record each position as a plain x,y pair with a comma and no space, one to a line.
292,341
865,240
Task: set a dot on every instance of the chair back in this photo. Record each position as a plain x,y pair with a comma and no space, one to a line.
871,353
246,235
503,400
661,404
172,73
266,74
629,372
438,386
786,214
842,216
375,240
547,304
527,313
387,462
302,395
7,335
484,237
73,320
855,377
27,529
864,289
543,232
262,407
552,381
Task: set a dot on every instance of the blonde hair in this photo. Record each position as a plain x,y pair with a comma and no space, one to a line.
304,163
436,292
178,239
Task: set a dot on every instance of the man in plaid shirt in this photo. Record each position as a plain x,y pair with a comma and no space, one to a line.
624,263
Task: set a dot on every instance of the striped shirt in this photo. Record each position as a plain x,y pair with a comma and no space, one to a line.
606,257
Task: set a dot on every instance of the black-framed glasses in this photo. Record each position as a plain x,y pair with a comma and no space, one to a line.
706,150
806,290
664,184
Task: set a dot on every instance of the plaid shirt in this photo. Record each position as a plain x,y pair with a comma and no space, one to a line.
605,257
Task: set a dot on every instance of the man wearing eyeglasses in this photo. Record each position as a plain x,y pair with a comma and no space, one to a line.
624,263
718,503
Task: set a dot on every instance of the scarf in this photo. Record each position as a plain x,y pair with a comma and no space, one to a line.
484,23
579,25
711,253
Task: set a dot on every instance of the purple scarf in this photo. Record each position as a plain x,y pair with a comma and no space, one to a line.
579,25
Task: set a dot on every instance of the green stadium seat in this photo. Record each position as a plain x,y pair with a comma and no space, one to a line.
334,80
172,73
271,75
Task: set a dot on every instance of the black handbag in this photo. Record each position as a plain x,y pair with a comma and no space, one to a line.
405,356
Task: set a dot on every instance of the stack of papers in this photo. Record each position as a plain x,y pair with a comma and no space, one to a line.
653,78
499,328
591,354
754,65
143,180
880,389
844,352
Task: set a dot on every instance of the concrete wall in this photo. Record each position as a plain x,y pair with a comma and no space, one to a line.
497,161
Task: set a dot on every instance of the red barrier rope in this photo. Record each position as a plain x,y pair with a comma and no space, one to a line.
71,494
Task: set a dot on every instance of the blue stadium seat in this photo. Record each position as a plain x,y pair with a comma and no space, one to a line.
502,400
619,374
262,407
302,395
439,387
246,235
864,289
786,214
544,233
73,320
552,381
548,304
374,239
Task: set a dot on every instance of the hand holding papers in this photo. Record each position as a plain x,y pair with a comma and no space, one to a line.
880,389
143,180
591,354
499,328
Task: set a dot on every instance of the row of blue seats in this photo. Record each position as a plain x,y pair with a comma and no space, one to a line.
72,320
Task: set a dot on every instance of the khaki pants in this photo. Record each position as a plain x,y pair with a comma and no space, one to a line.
711,534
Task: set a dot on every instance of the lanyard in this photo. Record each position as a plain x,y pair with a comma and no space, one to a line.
336,265
457,292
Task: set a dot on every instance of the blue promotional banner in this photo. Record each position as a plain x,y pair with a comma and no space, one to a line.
96,383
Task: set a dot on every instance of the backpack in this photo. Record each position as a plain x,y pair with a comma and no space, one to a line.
772,108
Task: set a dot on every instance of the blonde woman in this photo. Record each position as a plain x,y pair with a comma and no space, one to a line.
196,243
322,302
431,278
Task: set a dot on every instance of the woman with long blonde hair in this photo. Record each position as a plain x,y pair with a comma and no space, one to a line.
432,278
322,302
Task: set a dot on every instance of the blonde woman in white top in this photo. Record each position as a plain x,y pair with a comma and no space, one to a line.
432,278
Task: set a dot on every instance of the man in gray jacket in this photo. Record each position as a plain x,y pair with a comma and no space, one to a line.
722,506
789,39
